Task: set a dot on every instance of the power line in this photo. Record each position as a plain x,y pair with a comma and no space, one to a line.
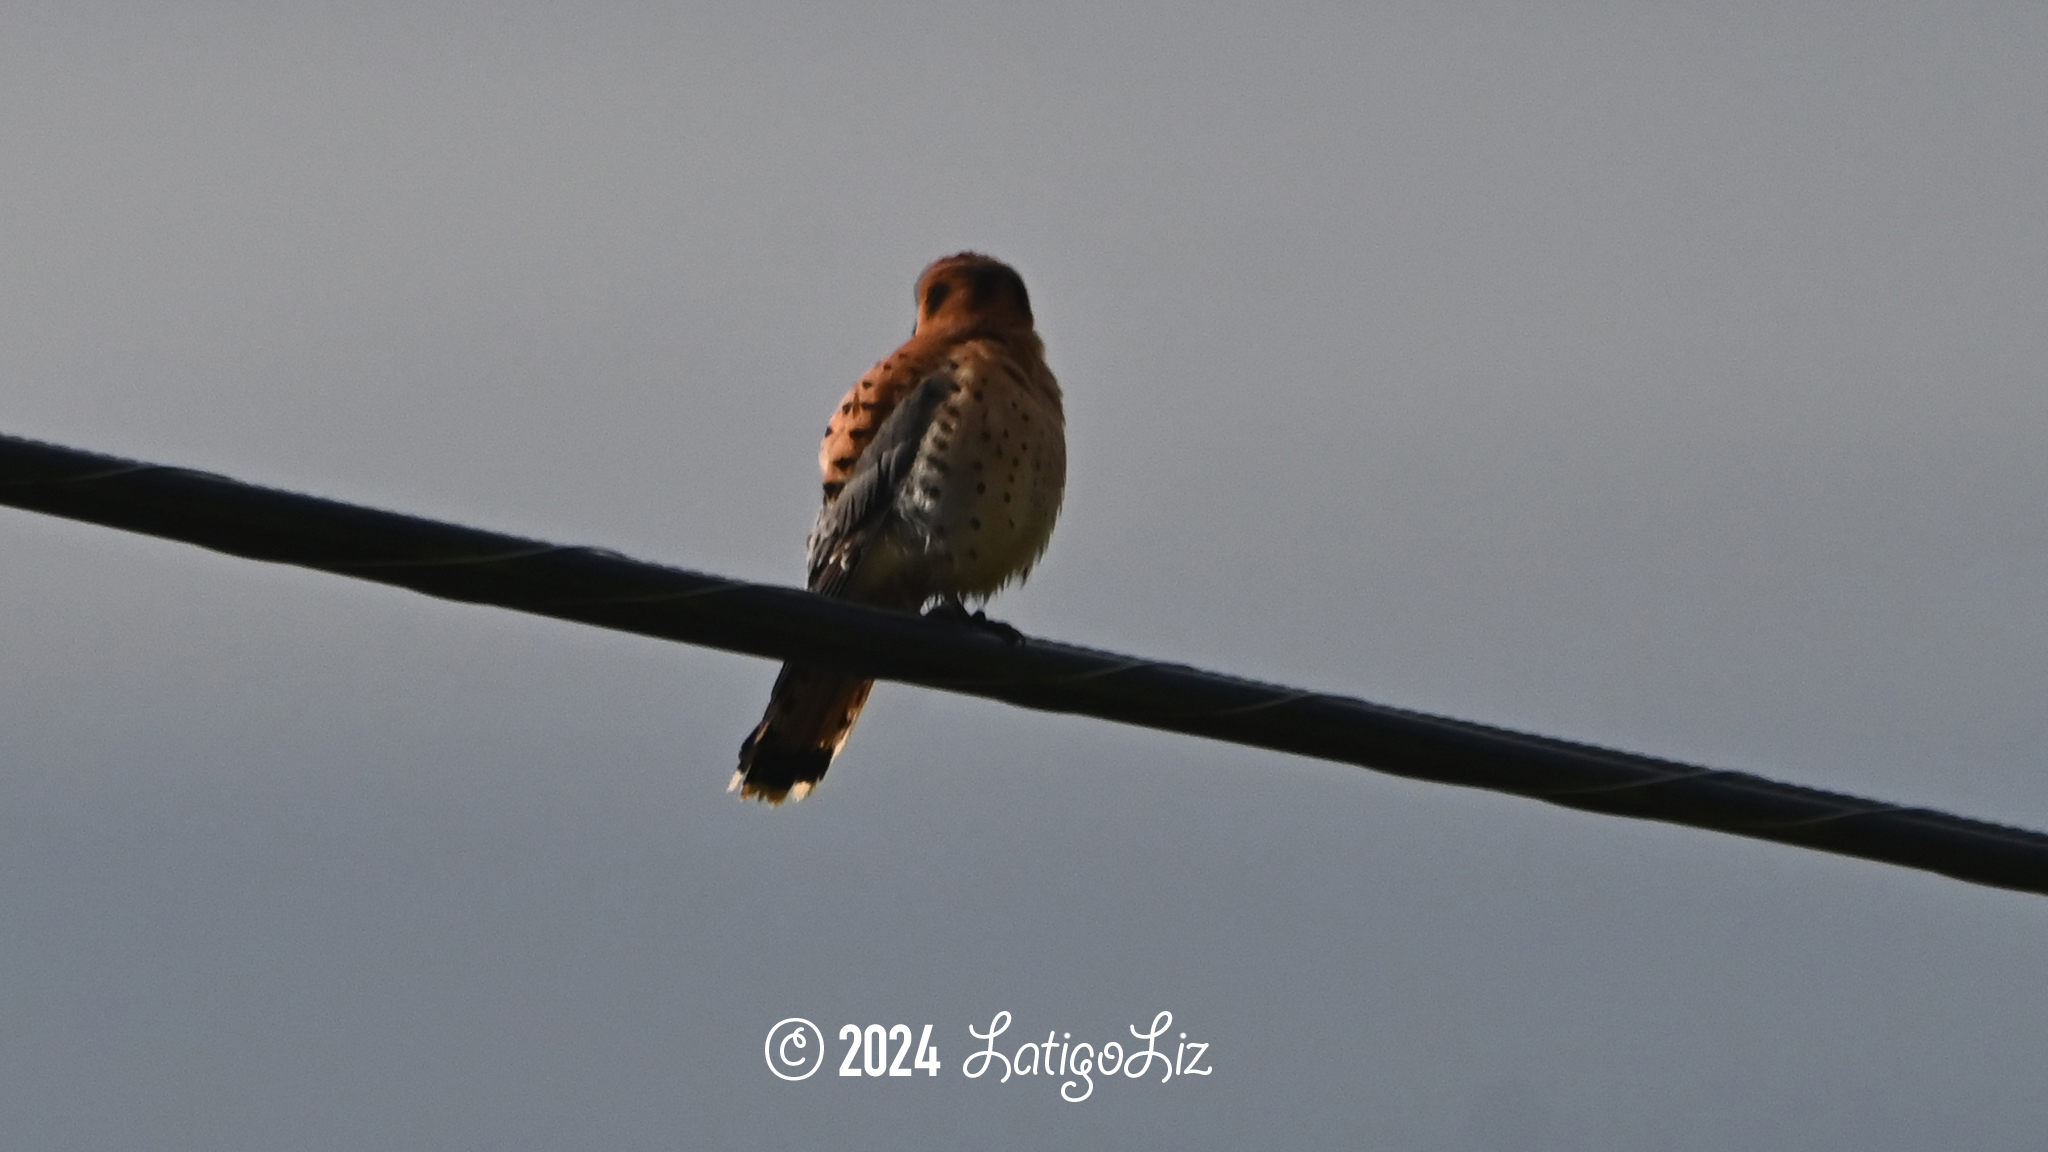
594,586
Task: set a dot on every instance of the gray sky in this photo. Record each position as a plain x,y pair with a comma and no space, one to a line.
1669,381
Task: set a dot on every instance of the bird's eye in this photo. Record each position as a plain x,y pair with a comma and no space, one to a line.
935,297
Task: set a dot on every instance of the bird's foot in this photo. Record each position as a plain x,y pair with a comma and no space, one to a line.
952,611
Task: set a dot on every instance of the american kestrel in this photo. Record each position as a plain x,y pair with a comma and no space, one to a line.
944,467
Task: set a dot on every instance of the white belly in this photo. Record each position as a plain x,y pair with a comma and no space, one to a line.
980,502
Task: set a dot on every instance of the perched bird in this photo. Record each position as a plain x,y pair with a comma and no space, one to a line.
944,467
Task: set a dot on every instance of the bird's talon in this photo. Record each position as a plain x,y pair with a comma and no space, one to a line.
953,612
1003,631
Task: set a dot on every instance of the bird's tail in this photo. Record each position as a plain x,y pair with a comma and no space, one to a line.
810,713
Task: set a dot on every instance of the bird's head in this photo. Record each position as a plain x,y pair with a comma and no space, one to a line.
971,291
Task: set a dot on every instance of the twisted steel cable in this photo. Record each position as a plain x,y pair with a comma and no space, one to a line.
594,586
